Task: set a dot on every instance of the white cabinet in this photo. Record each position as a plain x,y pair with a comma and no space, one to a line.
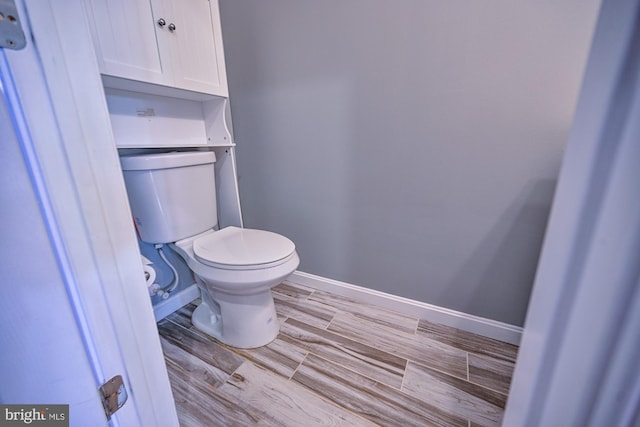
173,43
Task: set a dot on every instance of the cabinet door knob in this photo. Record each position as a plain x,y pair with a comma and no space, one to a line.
162,22
172,27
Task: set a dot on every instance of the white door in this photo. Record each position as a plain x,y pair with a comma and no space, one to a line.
41,342
124,34
578,361
196,46
74,309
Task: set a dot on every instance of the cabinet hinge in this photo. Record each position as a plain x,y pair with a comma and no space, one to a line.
113,394
11,34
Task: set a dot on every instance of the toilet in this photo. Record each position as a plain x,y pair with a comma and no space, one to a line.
173,201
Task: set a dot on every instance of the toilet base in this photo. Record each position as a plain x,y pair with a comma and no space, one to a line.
246,321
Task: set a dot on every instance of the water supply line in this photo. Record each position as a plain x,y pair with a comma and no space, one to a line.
164,292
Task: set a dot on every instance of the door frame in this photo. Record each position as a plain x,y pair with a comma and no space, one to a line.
68,147
578,360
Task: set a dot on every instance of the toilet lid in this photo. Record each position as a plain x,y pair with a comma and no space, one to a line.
235,246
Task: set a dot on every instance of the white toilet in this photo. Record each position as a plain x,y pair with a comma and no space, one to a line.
172,196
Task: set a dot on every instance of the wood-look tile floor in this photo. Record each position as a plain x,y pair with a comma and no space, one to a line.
338,362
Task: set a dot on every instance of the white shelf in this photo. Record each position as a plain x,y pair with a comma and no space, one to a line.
166,147
143,120
156,89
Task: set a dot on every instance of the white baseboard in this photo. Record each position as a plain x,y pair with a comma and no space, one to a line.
467,322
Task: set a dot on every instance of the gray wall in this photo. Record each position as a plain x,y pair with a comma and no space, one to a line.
407,146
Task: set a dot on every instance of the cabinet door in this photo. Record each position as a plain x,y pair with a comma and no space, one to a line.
197,59
124,37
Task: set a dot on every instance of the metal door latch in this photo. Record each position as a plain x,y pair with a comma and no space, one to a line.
114,395
11,34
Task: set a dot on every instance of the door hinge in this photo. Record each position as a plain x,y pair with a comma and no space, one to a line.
113,394
11,34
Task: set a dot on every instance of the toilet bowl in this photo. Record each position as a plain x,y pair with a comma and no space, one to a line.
173,200
235,270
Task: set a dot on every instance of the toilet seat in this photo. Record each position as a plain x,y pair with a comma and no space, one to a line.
234,248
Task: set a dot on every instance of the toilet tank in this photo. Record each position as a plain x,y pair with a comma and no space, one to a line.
172,195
